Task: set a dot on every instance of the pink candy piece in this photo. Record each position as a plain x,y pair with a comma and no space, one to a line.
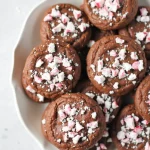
120,41
71,124
114,105
113,53
145,122
57,59
65,137
104,12
129,122
58,28
102,146
72,134
52,87
79,127
122,121
77,14
65,129
138,129
69,68
58,86
122,74
70,28
143,11
67,109
37,79
64,18
147,146
62,115
48,17
99,3
111,15
100,79
135,65
55,13
49,57
93,124
100,65
106,72
148,102
83,26
54,72
114,72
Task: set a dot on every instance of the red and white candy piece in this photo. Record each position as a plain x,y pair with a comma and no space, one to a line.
48,17
83,26
64,18
77,14
39,63
37,79
30,89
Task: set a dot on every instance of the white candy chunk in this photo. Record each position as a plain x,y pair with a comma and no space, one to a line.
120,135
55,13
41,98
94,115
58,28
48,17
64,18
59,140
91,95
143,11
93,67
61,76
100,79
120,41
100,65
107,105
134,55
70,77
30,89
148,38
46,76
100,100
65,138
76,139
39,63
93,124
70,28
122,74
114,105
90,130
44,121
113,53
103,12
116,85
93,4
129,122
107,116
65,129
51,47
133,135
52,65
127,66
79,127
66,62
83,26
122,54
147,146
145,19
116,63
140,36
141,65
106,72
73,111
77,14
132,77
91,43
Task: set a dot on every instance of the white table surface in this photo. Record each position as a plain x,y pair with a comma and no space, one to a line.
13,136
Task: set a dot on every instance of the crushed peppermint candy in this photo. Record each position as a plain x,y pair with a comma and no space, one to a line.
72,128
133,132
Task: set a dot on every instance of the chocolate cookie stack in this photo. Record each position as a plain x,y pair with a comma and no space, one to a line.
89,60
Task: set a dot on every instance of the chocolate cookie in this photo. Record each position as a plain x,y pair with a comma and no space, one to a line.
142,98
105,142
51,70
110,14
66,22
131,131
73,122
139,29
115,64
108,104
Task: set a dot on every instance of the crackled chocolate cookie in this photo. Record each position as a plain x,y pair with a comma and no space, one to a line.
108,104
110,14
115,64
51,70
131,131
73,122
105,142
66,22
142,98
139,29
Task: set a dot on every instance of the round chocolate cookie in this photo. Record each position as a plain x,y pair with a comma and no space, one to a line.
51,70
67,23
142,98
131,132
110,14
115,64
108,104
73,122
105,142
139,29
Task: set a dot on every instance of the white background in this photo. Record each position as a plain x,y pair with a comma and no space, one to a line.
12,15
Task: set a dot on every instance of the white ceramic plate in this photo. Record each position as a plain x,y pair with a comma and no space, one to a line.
30,112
